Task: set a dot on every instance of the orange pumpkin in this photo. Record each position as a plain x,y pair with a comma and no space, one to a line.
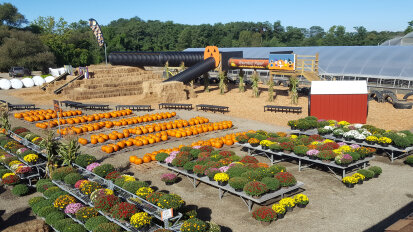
147,159
133,158
138,161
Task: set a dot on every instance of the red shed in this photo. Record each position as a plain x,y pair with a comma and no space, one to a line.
339,100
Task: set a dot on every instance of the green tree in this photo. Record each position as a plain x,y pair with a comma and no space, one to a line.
49,25
10,16
409,27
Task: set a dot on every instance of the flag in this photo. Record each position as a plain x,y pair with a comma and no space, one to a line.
96,30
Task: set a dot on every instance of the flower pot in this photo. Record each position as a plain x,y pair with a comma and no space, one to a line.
289,209
370,142
360,182
265,223
254,144
169,183
313,157
338,136
144,228
241,142
256,197
287,152
170,165
238,190
222,183
280,216
190,171
384,144
300,205
347,138
344,165
200,175
348,185
211,178
376,175
264,147
326,161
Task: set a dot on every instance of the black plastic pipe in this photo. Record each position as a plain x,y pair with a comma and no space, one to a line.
194,71
157,59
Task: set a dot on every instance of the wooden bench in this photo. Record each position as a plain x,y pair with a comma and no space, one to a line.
92,107
175,106
213,108
134,107
70,103
286,109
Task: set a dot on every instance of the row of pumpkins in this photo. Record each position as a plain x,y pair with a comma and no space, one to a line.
15,83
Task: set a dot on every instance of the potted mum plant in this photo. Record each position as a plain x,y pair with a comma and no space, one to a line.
254,142
210,173
288,203
301,200
169,178
265,215
349,181
141,220
222,178
255,189
238,183
384,141
279,209
359,177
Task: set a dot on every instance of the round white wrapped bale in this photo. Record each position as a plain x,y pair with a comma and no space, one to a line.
28,82
54,72
61,70
16,83
49,79
5,84
38,80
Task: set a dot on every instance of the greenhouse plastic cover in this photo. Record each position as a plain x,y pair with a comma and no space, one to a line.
395,62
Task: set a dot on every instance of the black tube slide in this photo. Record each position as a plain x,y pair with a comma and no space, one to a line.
194,71
157,59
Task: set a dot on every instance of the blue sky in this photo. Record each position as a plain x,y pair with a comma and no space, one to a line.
377,15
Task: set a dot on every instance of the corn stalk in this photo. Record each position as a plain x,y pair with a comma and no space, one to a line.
271,89
167,70
293,89
69,151
241,85
4,119
205,77
255,90
51,147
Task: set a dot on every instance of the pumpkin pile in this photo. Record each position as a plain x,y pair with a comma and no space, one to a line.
198,129
40,115
217,142
109,124
82,119
137,141
156,127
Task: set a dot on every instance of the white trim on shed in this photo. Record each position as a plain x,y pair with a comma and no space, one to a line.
339,87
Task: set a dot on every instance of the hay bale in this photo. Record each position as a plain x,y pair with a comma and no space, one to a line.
36,225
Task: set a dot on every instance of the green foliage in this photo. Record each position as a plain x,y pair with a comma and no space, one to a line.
238,182
409,159
60,173
69,151
236,170
103,170
62,223
42,187
213,227
43,212
35,200
252,175
74,228
54,196
50,191
133,186
92,223
300,150
4,171
20,190
272,183
161,156
53,217
108,227
10,16
72,178
84,160
376,169
367,173
39,205
189,166
274,169
194,153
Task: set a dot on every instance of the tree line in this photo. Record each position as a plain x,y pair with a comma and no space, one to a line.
48,42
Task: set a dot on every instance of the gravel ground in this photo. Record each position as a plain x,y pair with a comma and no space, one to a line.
333,207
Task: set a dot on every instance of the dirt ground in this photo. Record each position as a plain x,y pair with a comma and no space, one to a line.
333,207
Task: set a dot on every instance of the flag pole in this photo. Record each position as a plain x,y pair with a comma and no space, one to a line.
106,57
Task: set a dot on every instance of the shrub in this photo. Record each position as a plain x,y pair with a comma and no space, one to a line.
133,186
255,188
50,191
286,179
35,200
376,169
249,159
54,217
409,159
272,183
194,225
189,166
274,169
238,182
85,213
180,161
367,173
74,228
11,180
43,212
401,142
54,196
326,155
264,213
154,197
113,175
92,223
60,173
39,205
89,187
168,201
108,227
20,190
300,150
62,201
84,160
105,203
236,170
123,210
62,223
252,175
103,170
72,178
161,156
199,169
